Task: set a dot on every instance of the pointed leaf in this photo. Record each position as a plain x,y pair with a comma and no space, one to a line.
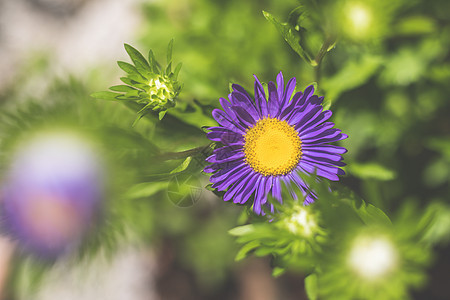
105,95
370,214
242,230
122,88
243,252
153,62
311,287
138,59
177,70
183,166
129,68
293,39
169,52
162,114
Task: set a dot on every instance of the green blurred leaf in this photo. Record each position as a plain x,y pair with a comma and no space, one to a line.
412,25
369,171
243,252
311,287
144,190
352,75
277,271
105,95
169,53
242,230
183,166
370,214
441,145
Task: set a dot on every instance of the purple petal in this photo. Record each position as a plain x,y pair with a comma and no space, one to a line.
249,189
273,104
280,85
225,136
309,91
246,103
276,189
317,131
325,148
260,97
290,87
225,120
244,116
259,195
320,170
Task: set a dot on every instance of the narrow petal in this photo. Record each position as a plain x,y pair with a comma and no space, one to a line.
290,87
260,97
225,136
227,107
225,120
246,103
315,120
280,86
273,104
259,195
235,188
249,189
327,172
276,189
244,116
309,91
325,148
315,130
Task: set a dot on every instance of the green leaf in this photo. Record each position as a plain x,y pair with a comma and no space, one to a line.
371,170
169,52
290,36
144,190
129,68
242,230
413,25
153,62
105,95
161,114
352,75
138,59
277,271
123,88
311,287
370,214
183,166
177,70
243,252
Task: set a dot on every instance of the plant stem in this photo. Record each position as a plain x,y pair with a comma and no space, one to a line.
329,41
183,154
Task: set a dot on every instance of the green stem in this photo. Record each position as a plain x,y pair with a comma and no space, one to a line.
330,40
183,154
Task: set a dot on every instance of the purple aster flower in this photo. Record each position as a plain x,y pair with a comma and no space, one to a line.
267,143
51,194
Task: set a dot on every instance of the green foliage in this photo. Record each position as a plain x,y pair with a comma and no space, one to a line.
387,78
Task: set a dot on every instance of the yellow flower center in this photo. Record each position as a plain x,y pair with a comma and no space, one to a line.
272,147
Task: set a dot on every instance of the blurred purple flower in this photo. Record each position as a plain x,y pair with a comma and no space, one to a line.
51,194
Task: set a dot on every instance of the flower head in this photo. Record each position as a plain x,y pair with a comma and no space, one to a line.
51,194
267,142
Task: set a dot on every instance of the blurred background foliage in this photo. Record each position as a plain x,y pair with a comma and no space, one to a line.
386,79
